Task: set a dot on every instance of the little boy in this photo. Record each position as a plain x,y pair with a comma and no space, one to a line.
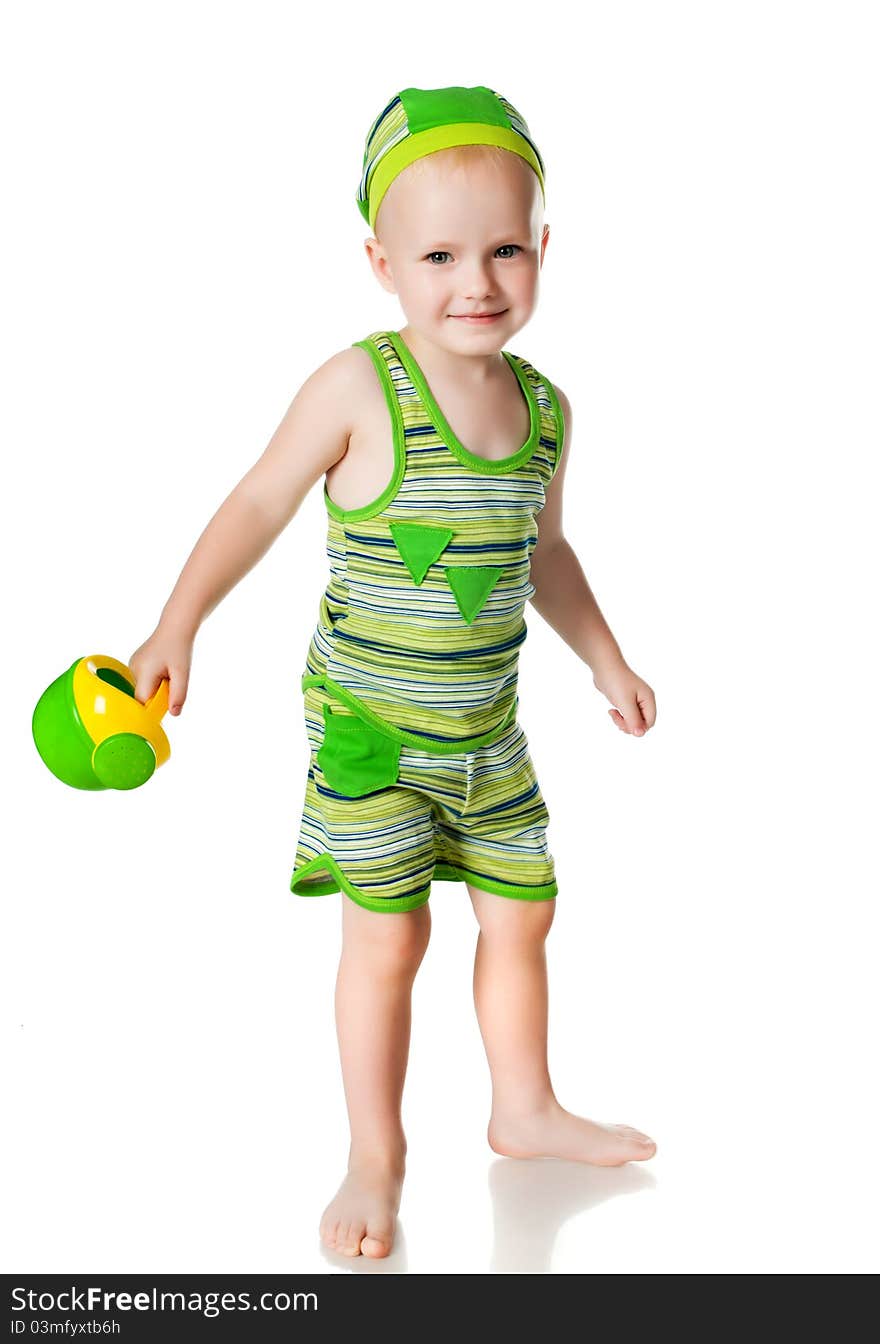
442,523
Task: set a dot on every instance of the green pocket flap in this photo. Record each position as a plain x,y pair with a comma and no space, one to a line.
355,757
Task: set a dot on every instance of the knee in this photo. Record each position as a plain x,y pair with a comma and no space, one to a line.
392,943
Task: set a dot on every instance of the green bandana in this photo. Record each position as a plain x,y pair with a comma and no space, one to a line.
417,122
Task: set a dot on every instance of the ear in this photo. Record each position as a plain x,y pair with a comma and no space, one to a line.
544,237
380,265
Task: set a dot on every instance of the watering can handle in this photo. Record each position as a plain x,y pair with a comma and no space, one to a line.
157,705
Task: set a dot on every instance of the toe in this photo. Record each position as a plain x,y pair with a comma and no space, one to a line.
646,1145
378,1236
635,1134
351,1244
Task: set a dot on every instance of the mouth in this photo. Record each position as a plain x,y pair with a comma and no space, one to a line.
478,319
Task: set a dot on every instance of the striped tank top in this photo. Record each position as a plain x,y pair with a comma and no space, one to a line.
420,626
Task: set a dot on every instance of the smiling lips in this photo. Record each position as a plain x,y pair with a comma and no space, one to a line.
476,317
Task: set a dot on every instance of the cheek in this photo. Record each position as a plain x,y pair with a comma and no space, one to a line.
418,281
430,285
523,283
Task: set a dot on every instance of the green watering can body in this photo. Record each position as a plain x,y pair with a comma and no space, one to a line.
92,732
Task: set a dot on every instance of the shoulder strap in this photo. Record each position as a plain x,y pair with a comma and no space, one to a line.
404,398
550,446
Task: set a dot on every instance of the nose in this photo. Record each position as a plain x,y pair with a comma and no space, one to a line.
477,285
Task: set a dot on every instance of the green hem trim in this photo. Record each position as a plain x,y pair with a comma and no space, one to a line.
416,740
443,872
391,489
560,425
464,455
447,872
339,882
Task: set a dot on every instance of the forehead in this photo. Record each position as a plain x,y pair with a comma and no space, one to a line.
462,197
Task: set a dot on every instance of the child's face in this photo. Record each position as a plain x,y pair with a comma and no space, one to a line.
463,239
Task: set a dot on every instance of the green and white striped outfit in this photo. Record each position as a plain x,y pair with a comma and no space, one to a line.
418,767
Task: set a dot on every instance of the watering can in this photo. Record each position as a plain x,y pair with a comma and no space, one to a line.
93,733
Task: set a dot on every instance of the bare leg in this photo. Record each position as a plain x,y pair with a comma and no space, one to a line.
510,994
381,952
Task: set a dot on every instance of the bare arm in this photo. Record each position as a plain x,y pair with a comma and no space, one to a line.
563,596
565,600
311,437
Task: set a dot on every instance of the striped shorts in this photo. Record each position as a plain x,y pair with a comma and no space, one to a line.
381,820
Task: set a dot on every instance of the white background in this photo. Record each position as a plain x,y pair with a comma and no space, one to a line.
181,249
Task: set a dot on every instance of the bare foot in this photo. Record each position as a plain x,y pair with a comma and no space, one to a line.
360,1218
555,1132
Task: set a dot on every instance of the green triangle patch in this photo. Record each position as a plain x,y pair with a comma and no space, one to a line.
420,544
471,585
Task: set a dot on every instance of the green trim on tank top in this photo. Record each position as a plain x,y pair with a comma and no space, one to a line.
560,426
417,740
391,489
458,450
441,424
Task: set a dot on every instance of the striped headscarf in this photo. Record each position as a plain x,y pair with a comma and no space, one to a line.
417,122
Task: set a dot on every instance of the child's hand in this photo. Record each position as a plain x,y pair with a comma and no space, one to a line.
636,710
167,653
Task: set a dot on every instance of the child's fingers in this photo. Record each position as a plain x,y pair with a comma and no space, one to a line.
177,693
648,706
146,686
632,723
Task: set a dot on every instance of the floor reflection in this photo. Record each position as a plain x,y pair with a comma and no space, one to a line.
533,1197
